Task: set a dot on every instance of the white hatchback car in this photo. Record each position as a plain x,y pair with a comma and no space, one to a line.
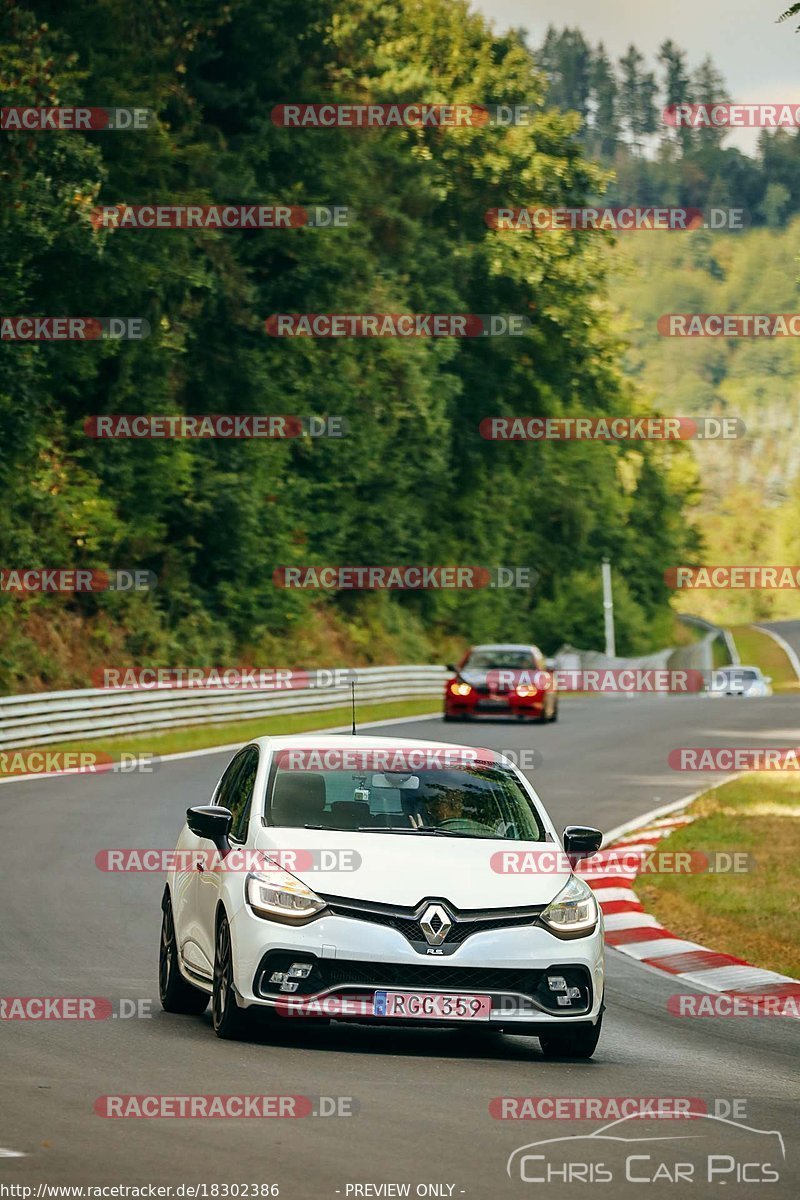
749,682
382,880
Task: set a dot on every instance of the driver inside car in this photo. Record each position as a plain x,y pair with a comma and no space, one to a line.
447,807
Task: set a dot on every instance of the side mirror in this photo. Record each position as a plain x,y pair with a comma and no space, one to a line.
581,841
211,822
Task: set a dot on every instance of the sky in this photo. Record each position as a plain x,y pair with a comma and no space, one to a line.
759,59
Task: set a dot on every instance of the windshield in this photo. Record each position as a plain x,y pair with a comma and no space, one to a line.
737,675
491,660
475,802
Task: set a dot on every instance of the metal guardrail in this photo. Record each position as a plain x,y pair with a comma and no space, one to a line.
714,631
41,718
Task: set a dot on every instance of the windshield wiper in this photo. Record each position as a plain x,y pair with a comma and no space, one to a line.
431,830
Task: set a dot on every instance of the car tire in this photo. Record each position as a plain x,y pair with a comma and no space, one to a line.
176,995
554,717
229,1020
577,1042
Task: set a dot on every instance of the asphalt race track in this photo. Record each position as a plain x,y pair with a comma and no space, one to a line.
788,630
423,1096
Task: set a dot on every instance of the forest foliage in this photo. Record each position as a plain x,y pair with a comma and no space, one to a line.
413,482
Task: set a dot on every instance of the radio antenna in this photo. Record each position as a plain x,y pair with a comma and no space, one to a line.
353,698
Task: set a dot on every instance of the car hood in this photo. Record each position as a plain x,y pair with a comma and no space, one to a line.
405,868
480,679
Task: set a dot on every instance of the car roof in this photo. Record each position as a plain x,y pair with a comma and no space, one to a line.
346,741
504,646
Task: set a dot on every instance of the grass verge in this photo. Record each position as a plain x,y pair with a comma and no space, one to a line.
748,915
757,649
201,737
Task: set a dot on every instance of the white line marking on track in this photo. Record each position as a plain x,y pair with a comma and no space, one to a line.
631,920
658,948
784,645
229,747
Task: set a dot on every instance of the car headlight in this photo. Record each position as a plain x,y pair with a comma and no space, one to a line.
460,689
278,896
526,689
574,911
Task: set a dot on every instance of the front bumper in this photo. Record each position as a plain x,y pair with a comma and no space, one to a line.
353,959
482,705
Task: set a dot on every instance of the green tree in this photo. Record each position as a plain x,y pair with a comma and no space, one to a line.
677,89
637,98
605,121
413,481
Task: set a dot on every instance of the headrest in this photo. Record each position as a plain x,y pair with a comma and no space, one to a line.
298,799
349,814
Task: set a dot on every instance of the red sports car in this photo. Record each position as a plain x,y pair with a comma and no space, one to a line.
506,679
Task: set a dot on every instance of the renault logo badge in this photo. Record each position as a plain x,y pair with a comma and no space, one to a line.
435,924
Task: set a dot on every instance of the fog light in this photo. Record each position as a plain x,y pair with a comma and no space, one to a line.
292,987
574,993
300,970
278,977
563,1001
557,983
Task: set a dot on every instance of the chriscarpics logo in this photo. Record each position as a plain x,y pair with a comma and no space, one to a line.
641,1151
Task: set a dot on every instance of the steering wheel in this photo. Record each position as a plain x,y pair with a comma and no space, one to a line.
465,825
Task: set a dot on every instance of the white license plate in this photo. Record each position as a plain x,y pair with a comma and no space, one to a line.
432,1006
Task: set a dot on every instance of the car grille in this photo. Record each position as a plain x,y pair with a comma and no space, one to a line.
338,972
348,975
406,920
